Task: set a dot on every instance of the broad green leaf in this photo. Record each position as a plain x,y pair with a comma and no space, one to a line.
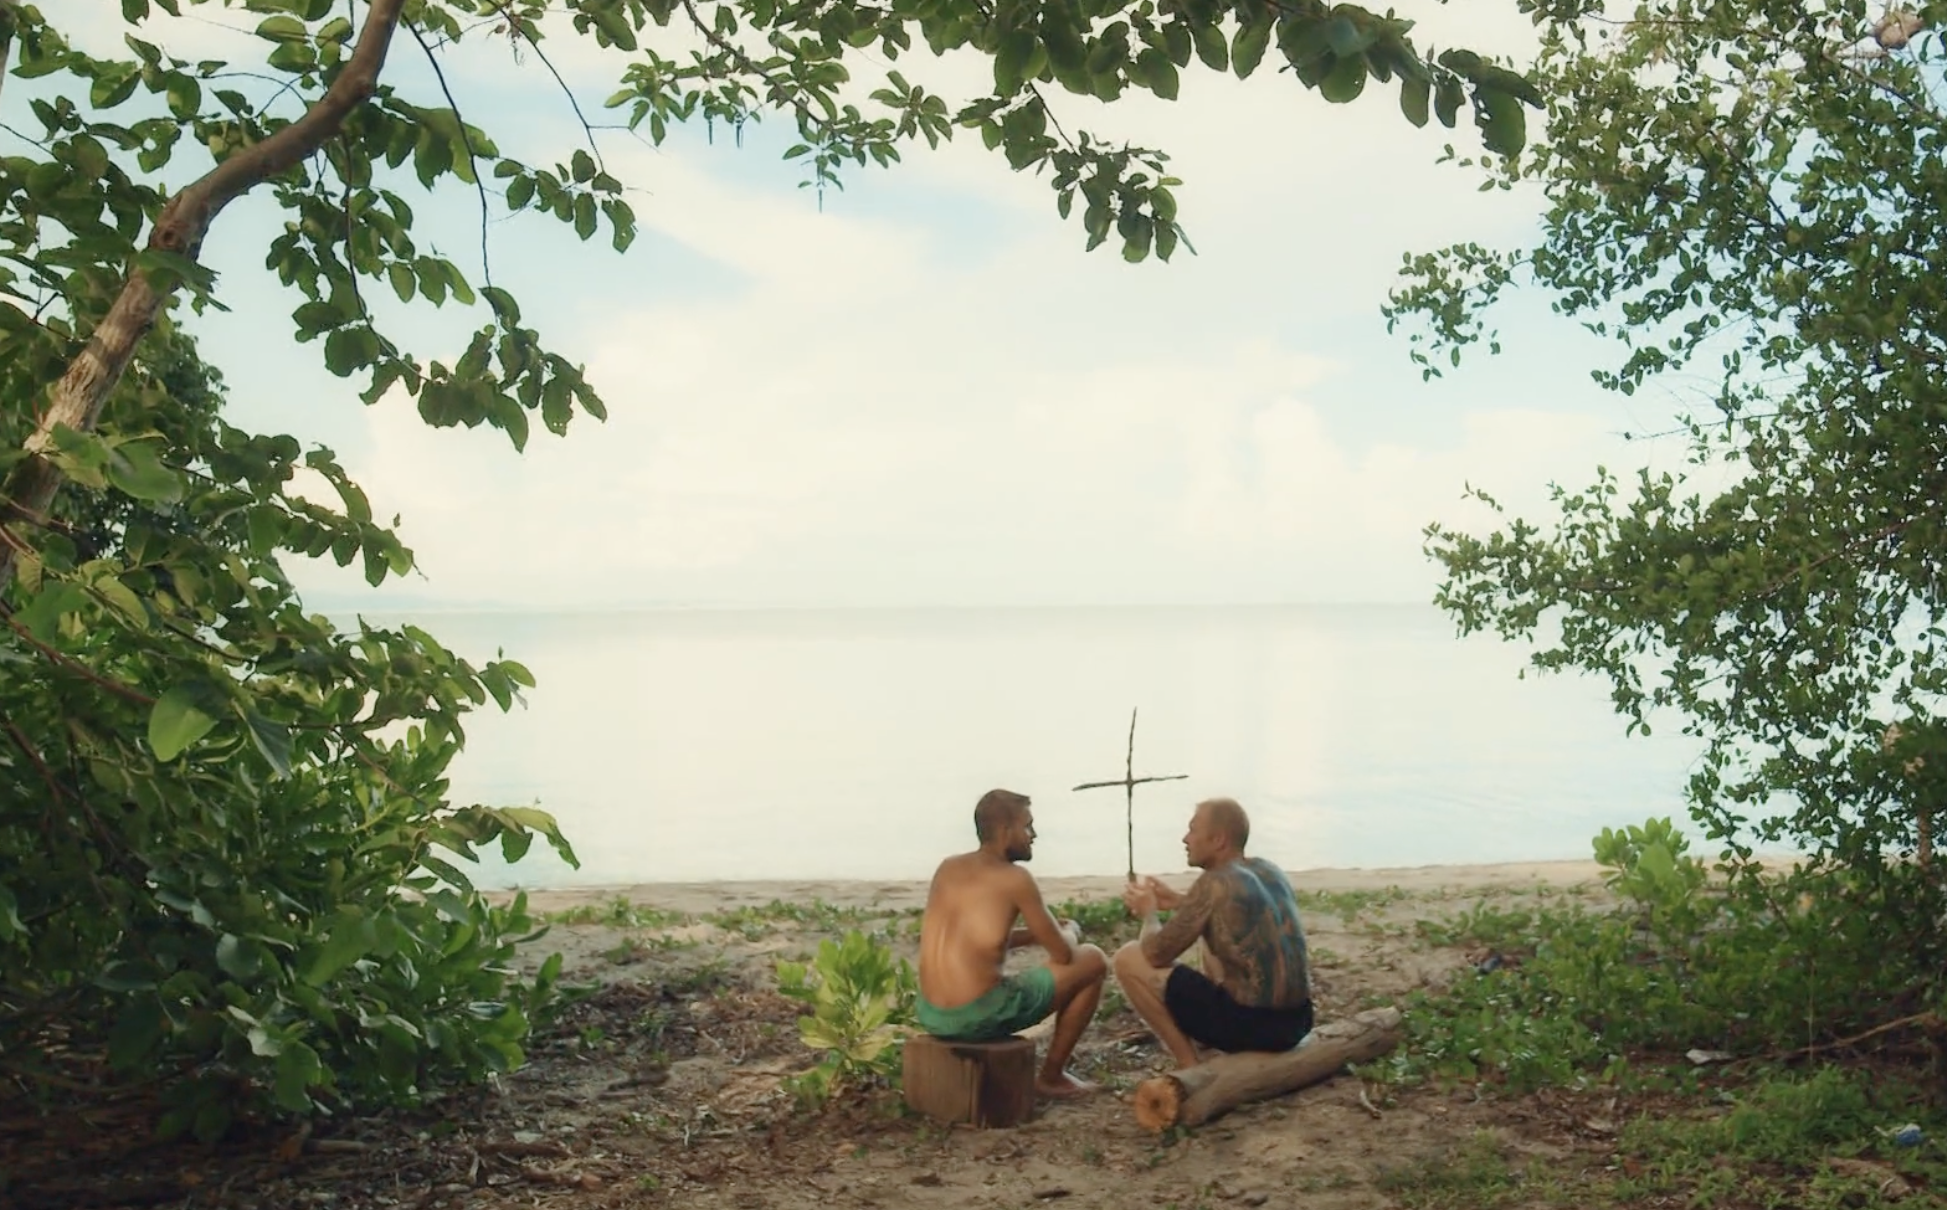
1011,61
178,719
1413,95
352,935
1247,46
1502,121
1345,81
54,602
136,468
272,741
237,957
283,28
1211,47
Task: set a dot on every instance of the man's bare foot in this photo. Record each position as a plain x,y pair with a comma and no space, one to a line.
1063,1086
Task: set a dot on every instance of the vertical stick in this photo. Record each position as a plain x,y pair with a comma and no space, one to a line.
1129,792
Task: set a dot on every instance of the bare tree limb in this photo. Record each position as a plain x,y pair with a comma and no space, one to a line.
473,161
76,401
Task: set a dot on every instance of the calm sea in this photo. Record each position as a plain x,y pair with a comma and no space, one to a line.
853,744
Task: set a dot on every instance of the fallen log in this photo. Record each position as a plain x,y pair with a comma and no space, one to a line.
1194,1095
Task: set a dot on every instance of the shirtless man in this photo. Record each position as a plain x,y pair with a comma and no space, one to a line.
1254,992
969,927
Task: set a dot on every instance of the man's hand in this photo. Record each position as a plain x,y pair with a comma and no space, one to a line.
1140,898
1167,899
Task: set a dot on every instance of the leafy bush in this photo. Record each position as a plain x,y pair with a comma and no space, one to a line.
227,866
860,995
1104,922
1753,964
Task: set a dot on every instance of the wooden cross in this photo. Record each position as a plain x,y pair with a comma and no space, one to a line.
1129,781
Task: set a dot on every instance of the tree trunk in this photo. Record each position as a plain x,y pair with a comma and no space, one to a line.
981,1083
75,402
1196,1094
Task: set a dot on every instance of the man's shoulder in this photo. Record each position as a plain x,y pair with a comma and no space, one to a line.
1269,872
1250,876
970,869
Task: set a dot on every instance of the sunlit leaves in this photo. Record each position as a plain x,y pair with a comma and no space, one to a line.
1748,207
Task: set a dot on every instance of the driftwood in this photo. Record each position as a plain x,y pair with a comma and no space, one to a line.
981,1083
1194,1095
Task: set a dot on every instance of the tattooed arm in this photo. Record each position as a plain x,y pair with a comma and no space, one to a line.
1162,943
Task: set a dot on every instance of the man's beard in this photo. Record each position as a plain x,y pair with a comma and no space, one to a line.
1020,854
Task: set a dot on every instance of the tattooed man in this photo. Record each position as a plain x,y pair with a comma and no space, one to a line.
1254,992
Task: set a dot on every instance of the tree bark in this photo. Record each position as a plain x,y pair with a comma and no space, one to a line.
984,1084
1197,1094
76,401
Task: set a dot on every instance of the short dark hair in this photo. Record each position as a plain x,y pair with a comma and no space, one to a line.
995,810
1229,818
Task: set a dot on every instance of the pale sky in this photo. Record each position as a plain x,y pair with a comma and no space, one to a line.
928,393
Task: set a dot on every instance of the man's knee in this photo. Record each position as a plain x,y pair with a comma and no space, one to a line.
1091,961
1130,960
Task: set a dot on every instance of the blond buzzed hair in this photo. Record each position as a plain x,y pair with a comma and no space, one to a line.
995,810
1229,819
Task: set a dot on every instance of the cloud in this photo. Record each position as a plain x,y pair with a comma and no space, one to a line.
874,418
929,392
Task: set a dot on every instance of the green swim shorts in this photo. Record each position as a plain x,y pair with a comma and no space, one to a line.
1013,1004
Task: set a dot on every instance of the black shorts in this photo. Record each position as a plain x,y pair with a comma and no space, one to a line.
1206,1012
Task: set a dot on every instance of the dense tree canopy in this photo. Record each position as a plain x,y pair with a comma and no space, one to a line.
228,866
1746,194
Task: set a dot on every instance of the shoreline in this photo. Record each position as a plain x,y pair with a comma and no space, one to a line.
897,895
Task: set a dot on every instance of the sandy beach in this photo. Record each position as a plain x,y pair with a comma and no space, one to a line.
699,897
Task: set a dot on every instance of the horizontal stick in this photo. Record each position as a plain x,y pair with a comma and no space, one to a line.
1126,781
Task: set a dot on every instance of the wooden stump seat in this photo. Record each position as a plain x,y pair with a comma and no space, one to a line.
984,1084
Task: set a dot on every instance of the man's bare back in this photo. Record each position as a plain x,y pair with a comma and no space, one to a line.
964,936
967,930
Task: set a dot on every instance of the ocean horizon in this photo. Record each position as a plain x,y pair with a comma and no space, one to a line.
712,744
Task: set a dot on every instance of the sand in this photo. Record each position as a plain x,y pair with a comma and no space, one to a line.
699,897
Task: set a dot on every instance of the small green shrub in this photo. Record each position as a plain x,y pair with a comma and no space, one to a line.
1104,922
1754,964
860,994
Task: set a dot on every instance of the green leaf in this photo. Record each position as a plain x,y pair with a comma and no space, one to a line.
1011,61
351,936
1413,94
178,719
114,85
283,28
1502,121
238,958
1344,82
1447,97
298,1069
403,282
1211,47
1247,46
136,469
272,740
1154,69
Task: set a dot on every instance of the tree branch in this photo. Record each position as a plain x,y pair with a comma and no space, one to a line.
466,140
76,401
86,673
27,749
